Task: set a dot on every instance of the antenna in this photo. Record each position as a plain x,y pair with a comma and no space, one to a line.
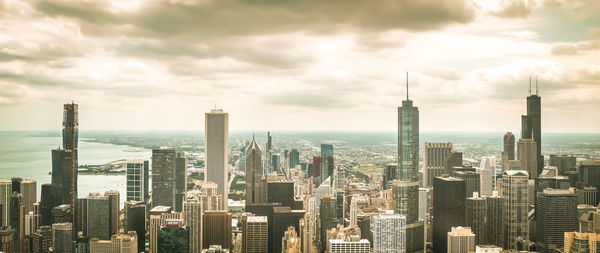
536,87
407,85
529,84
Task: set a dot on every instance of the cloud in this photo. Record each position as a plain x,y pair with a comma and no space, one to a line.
575,48
514,9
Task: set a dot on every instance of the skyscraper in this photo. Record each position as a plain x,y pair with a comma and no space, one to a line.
137,180
294,158
514,188
135,221
193,220
527,156
269,166
42,239
495,219
448,209
564,163
28,193
255,234
254,183
556,213
47,203
210,197
589,173
216,137
476,217
508,152
163,177
531,125
461,240
5,192
64,161
62,237
408,172
389,233
216,229
434,161
472,181
327,162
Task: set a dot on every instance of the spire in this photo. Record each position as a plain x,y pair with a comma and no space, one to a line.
252,135
530,85
407,85
536,87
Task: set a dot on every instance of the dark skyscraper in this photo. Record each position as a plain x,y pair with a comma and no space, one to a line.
254,189
448,209
135,220
476,217
531,124
556,212
495,219
563,163
47,203
508,153
589,173
164,178
327,163
294,158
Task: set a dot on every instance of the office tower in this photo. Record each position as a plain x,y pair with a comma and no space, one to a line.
291,243
159,215
389,233
137,180
62,237
216,229
47,203
556,212
589,173
424,202
33,219
275,162
514,188
93,216
328,219
508,152
42,240
487,178
323,189
118,243
61,175
531,124
448,209
476,217
6,239
173,237
352,244
268,154
327,162
472,181
280,192
216,137
282,218
180,181
5,192
527,155
193,220
135,221
435,156
28,192
294,158
62,214
255,234
576,242
163,177
254,189
495,219
389,173
587,196
210,197
408,173
461,240
114,208
70,136
564,163
316,169
357,203
455,159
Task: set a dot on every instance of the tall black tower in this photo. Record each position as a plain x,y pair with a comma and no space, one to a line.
531,124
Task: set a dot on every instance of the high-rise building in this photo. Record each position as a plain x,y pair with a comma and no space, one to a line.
389,233
42,240
62,214
137,180
114,208
316,169
291,243
5,192
163,177
275,162
556,213
294,158
589,173
254,172
47,203
17,216
159,215
173,237
508,152
255,234
193,220
514,188
461,240
6,239
587,196
357,203
527,155
95,215
62,237
216,137
216,229
33,219
564,163
328,218
576,242
448,209
327,162
28,193
495,219
180,180
210,197
135,221
476,217
118,243
389,174
352,243
472,181
62,174
408,171
268,154
455,159
531,126
435,156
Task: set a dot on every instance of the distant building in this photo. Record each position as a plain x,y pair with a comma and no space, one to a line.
527,155
589,173
216,138
254,171
352,244
461,240
327,162
167,189
294,158
587,196
448,209
435,156
389,233
508,152
28,193
564,163
137,180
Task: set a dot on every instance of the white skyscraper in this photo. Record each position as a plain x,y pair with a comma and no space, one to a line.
389,233
216,138
357,203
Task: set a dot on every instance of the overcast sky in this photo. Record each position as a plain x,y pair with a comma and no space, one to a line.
299,65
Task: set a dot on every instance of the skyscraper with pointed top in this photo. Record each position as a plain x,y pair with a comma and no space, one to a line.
64,161
531,123
253,173
406,192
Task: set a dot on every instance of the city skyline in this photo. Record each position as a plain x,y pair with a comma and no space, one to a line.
467,61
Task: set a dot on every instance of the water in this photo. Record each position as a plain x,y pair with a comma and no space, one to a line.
28,155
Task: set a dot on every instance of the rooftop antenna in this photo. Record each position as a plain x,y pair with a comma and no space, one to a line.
536,87
407,85
530,85
252,135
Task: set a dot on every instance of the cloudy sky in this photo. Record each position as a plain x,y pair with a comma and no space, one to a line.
299,65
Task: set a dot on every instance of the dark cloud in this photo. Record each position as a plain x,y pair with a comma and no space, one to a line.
308,99
515,9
